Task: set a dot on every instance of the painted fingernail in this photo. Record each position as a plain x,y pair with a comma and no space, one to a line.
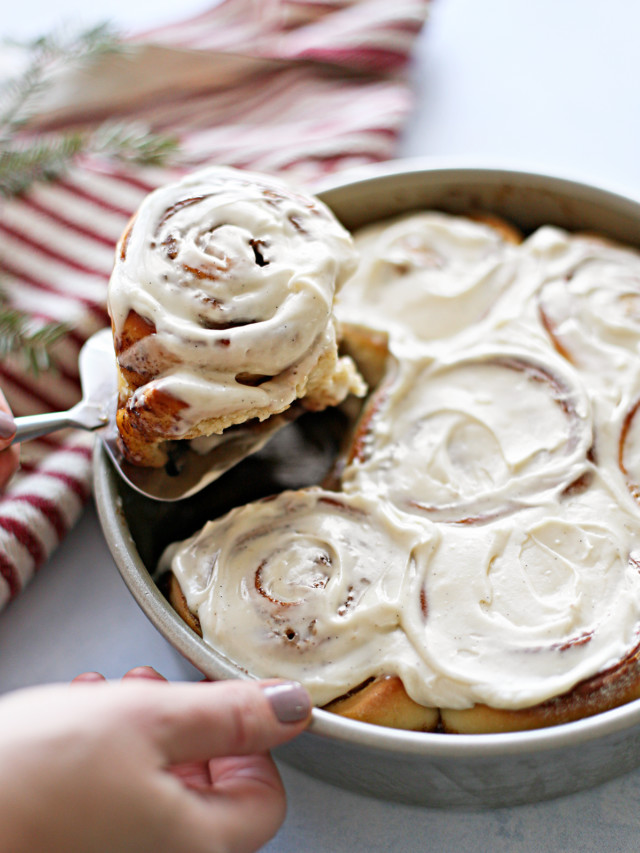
143,671
87,678
7,425
289,700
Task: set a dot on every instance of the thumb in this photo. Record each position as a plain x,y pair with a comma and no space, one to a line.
7,423
7,429
9,456
196,722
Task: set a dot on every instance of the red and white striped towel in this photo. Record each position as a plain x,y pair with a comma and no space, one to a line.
298,87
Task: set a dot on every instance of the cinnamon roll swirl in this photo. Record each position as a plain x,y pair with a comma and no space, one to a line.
464,440
305,585
221,302
430,273
548,602
589,303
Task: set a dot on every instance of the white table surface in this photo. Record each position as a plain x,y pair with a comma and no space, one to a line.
552,84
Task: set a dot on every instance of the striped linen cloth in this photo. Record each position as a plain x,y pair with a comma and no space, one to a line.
296,87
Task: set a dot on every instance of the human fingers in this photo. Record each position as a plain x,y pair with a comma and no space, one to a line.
137,672
7,427
127,739
197,722
225,729
194,774
240,801
7,423
245,806
200,721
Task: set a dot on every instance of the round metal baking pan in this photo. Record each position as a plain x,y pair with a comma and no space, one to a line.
450,771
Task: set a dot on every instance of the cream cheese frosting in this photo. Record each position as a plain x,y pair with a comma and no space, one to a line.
492,496
305,585
467,438
428,274
236,274
522,608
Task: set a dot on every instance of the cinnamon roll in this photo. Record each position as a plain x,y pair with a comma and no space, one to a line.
305,585
430,273
386,702
483,628
549,600
464,440
221,301
589,302
614,686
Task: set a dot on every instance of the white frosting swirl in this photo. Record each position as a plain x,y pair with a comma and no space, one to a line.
236,273
470,438
590,304
522,608
306,585
431,274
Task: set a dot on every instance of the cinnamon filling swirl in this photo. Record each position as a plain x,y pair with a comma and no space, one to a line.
470,439
306,583
591,310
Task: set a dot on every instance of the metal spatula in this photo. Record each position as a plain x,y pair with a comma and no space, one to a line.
188,471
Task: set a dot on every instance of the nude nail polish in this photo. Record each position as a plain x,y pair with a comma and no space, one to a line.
7,425
289,700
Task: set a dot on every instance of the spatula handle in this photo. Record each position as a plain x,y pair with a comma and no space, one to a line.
82,417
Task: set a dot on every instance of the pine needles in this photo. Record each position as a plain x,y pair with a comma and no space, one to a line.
44,159
27,158
19,335
20,97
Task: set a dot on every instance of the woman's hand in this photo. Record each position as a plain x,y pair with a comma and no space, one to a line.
144,765
9,455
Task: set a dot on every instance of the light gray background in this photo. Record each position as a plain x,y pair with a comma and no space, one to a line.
552,85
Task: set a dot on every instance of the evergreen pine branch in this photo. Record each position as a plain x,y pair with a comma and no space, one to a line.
44,159
20,96
48,156
19,335
132,142
26,159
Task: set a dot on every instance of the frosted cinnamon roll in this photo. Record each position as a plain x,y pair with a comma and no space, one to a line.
548,602
303,585
614,686
589,302
431,274
385,701
492,627
464,440
221,301
517,625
